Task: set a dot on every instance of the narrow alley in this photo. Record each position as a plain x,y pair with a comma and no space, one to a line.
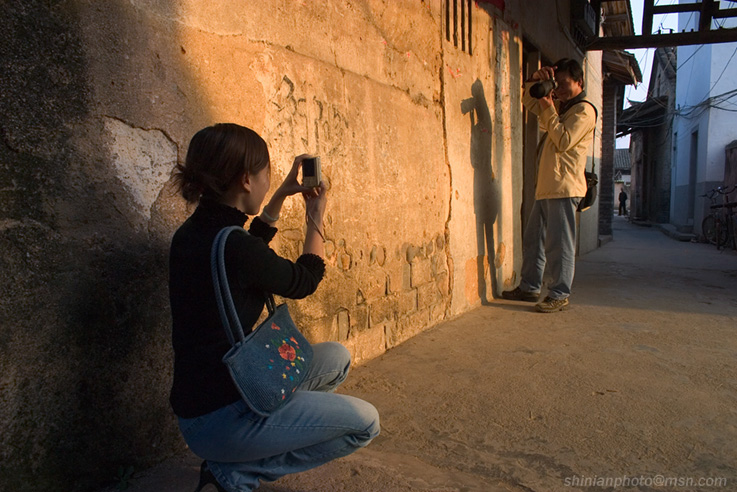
634,387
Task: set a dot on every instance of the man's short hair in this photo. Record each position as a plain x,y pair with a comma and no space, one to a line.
571,67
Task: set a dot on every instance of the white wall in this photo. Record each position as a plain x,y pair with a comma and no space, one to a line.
722,123
703,71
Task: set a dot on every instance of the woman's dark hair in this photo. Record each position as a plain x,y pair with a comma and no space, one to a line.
571,67
217,156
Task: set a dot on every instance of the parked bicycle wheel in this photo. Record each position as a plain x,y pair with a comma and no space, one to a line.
722,233
709,228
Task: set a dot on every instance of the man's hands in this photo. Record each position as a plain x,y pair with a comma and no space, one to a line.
545,73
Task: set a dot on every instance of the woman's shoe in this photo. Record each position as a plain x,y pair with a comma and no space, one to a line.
207,478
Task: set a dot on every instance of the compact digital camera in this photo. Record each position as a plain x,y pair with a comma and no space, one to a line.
311,175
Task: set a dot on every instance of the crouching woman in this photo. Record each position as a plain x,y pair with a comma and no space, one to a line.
227,173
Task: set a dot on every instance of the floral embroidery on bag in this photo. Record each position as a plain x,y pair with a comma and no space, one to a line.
287,352
290,351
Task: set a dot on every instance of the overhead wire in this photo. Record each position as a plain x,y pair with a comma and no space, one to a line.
688,112
692,55
717,102
723,70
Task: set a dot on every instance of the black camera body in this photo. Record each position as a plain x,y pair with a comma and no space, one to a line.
311,172
543,88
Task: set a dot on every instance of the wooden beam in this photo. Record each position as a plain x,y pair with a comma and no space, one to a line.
677,8
661,40
725,13
647,17
596,4
707,9
617,18
693,7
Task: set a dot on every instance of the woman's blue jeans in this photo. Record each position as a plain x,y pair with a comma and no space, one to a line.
550,240
314,427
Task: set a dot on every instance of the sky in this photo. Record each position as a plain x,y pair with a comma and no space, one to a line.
645,56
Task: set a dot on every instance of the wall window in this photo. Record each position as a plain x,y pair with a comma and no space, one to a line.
459,24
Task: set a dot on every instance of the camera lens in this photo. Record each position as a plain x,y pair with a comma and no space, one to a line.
543,88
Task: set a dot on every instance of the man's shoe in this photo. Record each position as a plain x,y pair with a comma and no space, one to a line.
550,305
520,295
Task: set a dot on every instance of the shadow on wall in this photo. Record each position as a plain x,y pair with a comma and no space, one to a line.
85,357
485,191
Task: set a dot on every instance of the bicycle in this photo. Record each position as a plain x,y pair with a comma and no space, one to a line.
732,221
720,226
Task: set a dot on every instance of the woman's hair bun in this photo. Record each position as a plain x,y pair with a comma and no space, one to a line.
218,155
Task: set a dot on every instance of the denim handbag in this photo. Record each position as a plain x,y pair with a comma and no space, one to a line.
269,364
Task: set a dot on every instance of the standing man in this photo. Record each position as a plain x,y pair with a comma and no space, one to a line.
550,234
622,202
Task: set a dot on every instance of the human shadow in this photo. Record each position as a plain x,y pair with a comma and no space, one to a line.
485,191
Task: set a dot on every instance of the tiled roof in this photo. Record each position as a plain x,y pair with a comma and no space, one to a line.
622,159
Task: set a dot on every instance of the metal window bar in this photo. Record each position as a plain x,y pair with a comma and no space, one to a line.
455,23
463,25
447,20
470,25
461,20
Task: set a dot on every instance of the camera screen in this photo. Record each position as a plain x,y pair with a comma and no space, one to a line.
308,167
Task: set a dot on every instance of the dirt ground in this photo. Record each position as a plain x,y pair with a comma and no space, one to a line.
634,387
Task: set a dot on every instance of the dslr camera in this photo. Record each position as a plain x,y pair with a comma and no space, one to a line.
543,88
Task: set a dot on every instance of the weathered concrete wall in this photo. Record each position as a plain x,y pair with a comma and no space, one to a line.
588,221
84,356
420,143
483,115
100,102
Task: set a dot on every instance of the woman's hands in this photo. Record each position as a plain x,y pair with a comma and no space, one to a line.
290,186
315,200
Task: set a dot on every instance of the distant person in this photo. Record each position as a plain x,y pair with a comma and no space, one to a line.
622,202
227,171
550,235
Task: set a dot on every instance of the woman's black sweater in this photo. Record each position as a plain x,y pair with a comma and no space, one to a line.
202,383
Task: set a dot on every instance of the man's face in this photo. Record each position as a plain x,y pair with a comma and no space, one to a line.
567,87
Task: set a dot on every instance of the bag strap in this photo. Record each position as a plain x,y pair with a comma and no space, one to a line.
223,297
593,146
596,111
593,152
596,117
